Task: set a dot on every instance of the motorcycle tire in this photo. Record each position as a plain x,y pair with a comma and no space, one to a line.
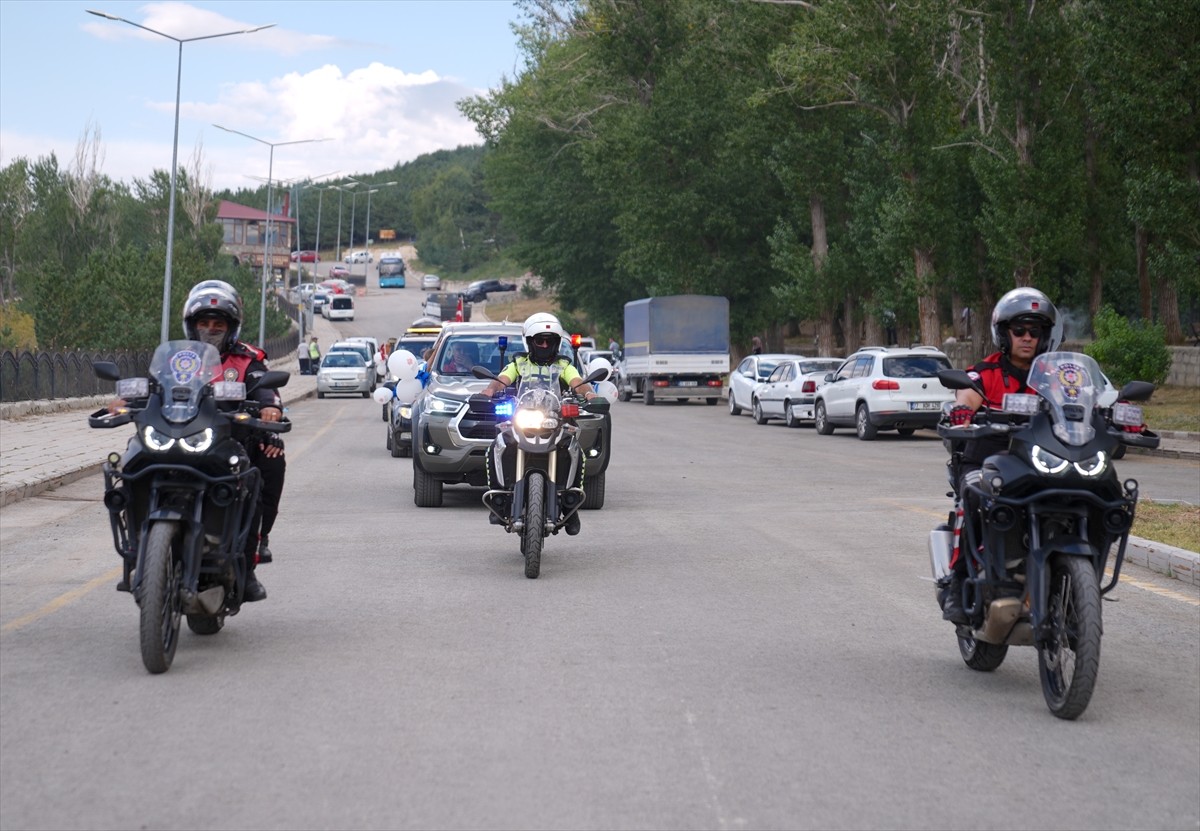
981,656
1068,664
593,499
159,598
533,534
206,624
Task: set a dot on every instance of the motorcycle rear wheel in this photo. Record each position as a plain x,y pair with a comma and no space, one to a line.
1069,663
206,624
981,656
533,535
160,602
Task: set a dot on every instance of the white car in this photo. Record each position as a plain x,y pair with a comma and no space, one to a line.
790,390
339,307
880,388
753,370
431,282
358,257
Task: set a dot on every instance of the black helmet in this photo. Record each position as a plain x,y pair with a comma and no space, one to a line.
1029,306
213,297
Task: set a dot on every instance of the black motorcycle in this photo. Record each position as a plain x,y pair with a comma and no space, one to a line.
1051,516
182,497
539,481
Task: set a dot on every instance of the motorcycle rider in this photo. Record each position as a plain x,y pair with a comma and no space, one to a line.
543,335
1024,325
212,313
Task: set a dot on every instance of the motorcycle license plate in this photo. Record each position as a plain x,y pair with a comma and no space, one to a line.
924,405
688,383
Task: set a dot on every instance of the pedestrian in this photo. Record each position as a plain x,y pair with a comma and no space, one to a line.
756,345
302,357
314,356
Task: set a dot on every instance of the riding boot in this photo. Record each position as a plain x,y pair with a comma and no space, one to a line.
264,553
950,595
255,590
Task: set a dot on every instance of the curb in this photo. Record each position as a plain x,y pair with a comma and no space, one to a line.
1165,559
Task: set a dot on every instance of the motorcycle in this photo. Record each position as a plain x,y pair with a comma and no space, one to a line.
537,477
1049,513
182,497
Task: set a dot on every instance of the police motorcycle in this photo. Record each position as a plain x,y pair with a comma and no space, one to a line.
182,497
1052,516
539,484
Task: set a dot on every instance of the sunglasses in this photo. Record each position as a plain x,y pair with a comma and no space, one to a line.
1022,331
542,340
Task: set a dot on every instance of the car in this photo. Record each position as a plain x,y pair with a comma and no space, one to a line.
431,282
883,388
320,297
355,257
302,292
450,440
360,349
305,257
373,347
480,289
416,340
444,306
339,307
344,372
790,390
338,272
753,370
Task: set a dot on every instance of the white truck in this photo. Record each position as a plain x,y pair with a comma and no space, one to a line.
675,347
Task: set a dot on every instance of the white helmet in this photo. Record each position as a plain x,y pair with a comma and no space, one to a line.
543,323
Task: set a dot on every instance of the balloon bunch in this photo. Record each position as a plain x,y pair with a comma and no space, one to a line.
403,366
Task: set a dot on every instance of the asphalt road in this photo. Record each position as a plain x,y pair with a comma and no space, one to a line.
742,638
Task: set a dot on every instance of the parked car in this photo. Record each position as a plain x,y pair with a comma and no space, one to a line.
339,307
880,388
753,370
302,292
343,372
451,441
480,289
355,257
338,272
790,390
305,257
320,297
431,282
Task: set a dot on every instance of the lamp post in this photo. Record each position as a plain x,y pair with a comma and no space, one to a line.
350,185
262,317
368,236
166,306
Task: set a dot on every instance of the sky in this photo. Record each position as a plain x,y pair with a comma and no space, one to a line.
378,78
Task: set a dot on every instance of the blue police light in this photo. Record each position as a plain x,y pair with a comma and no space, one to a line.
504,408
503,341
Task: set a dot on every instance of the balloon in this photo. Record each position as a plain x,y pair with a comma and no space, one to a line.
607,389
600,363
406,391
402,365
382,395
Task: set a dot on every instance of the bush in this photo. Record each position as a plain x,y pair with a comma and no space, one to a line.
1130,351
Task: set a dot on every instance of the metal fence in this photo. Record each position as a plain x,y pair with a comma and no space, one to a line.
32,376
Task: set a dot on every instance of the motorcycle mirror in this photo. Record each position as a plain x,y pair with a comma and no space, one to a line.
1137,391
106,370
270,380
600,374
958,379
482,372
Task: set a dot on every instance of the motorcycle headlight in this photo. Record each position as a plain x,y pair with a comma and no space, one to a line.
529,419
155,440
1047,462
198,442
1093,466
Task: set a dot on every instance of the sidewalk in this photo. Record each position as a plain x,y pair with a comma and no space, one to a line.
46,444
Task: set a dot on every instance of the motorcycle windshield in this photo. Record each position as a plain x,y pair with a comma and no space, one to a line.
1070,383
182,369
539,390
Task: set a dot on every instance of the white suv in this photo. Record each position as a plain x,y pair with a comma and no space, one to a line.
880,388
355,257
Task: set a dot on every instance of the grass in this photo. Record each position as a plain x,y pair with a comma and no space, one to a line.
1173,408
1175,523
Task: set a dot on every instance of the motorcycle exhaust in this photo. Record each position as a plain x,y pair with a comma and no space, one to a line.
941,542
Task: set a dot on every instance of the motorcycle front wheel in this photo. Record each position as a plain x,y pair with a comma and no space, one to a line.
160,601
533,534
1070,661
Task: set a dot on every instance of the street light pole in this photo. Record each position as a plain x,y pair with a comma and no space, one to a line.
262,317
166,304
350,184
366,265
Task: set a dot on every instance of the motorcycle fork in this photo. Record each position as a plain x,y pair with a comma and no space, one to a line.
1038,563
520,484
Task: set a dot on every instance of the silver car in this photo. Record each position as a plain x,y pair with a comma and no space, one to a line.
790,390
344,373
752,371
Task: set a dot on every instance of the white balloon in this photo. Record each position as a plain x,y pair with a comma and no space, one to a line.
382,395
408,390
600,363
402,364
607,389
